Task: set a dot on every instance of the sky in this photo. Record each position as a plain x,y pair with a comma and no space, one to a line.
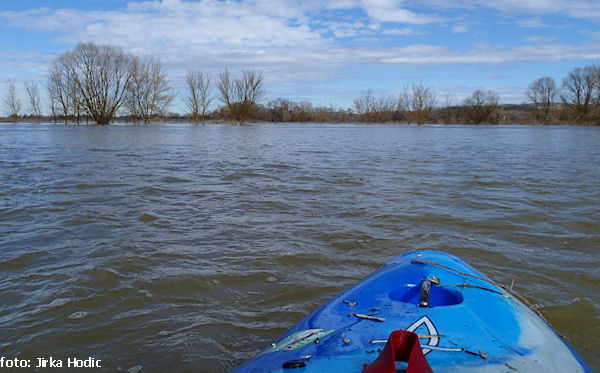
326,52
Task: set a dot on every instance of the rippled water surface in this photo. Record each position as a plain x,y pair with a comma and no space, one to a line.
180,247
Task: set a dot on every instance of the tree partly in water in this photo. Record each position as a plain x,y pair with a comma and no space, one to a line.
241,95
12,102
482,107
92,77
581,94
198,99
148,94
542,94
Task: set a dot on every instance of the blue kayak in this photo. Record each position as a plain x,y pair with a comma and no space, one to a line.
463,321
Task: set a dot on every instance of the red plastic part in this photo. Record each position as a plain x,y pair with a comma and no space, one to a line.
404,346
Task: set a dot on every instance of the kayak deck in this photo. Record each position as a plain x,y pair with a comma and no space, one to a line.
470,324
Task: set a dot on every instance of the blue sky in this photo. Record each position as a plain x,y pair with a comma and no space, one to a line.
323,52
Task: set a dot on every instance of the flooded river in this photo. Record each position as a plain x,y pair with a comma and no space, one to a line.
190,248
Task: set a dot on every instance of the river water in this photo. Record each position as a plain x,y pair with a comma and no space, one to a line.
190,248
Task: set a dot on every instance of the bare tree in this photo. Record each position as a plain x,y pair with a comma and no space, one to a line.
595,71
99,76
78,103
324,114
422,101
249,91
35,101
375,109
241,95
53,105
193,100
542,94
280,109
403,105
12,102
447,109
481,106
226,90
148,94
364,103
58,92
64,95
578,92
302,111
199,98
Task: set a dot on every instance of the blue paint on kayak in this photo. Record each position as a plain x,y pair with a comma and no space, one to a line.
471,325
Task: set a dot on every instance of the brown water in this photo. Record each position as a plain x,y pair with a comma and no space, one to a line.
179,248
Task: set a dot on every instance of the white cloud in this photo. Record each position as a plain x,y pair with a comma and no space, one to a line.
272,34
535,22
210,28
542,50
574,8
347,29
297,43
460,28
30,64
175,23
542,40
398,31
583,9
394,11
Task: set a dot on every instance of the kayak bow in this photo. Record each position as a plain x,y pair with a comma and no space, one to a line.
463,320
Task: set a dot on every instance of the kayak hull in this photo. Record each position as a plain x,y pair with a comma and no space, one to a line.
470,324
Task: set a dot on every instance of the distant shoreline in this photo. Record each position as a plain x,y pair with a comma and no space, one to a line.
190,122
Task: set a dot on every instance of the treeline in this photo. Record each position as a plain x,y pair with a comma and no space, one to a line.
103,83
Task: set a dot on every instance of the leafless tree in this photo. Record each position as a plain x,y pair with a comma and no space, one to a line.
422,102
402,109
12,102
78,105
226,89
302,111
64,95
241,95
58,92
596,100
481,106
53,105
324,114
199,98
364,103
578,89
99,76
542,94
148,94
375,109
280,110
447,109
35,101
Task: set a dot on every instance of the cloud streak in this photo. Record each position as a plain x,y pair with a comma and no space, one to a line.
269,32
311,41
581,9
